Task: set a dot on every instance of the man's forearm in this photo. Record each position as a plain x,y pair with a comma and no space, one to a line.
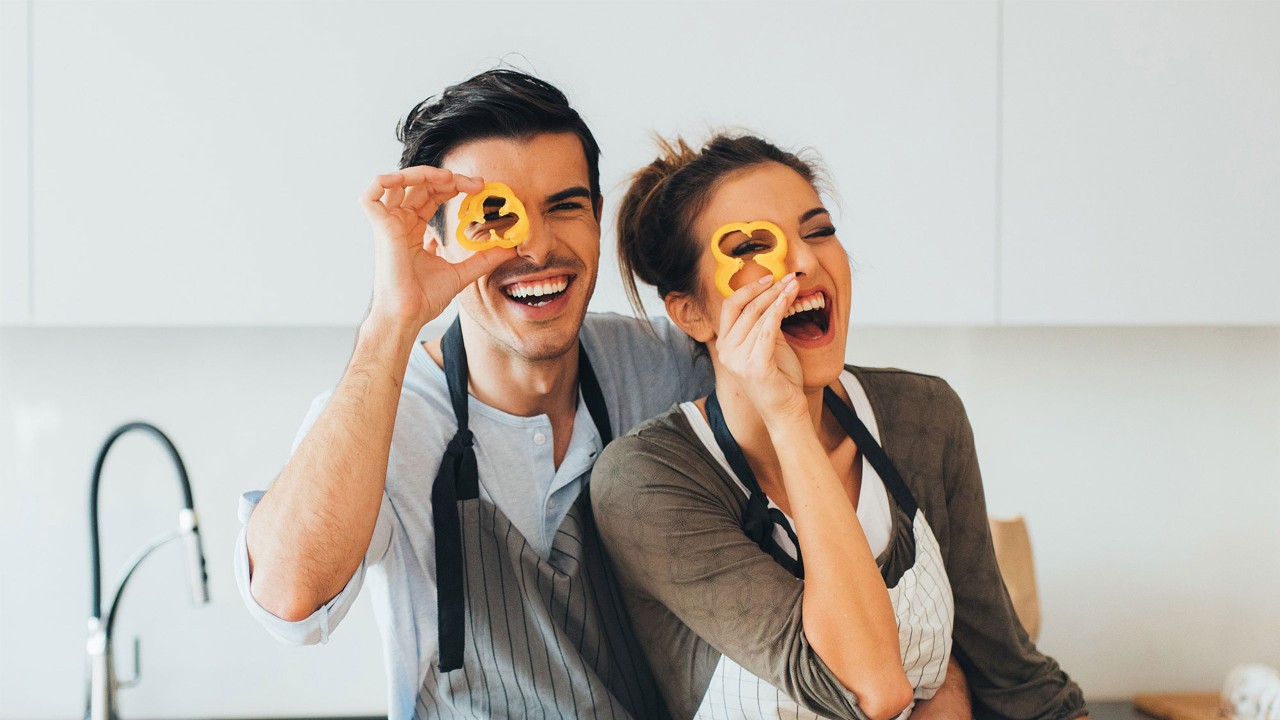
951,702
313,526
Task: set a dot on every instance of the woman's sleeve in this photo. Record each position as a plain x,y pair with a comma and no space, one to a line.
1008,676
684,562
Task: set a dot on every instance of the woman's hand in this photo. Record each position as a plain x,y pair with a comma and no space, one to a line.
751,346
412,285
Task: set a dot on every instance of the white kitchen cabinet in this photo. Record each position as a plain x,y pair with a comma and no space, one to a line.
1141,163
197,163
15,236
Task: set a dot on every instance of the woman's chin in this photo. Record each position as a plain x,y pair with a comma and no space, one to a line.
820,368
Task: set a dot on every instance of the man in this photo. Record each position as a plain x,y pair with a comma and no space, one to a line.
542,631
451,476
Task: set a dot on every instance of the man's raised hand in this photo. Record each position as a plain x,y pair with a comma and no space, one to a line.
411,284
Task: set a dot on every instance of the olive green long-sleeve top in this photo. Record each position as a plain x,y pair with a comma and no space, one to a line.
695,586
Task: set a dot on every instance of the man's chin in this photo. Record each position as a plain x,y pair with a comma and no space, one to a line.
538,341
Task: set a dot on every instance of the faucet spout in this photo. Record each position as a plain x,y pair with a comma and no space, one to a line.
102,683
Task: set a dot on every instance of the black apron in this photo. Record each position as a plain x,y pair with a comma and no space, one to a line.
759,519
458,480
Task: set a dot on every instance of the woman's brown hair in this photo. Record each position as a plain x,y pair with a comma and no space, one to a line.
655,222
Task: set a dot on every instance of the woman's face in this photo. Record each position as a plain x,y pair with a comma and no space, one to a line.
774,192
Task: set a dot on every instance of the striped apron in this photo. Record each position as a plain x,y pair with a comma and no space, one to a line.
918,588
522,636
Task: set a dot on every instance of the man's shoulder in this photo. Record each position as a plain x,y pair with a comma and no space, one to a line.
609,328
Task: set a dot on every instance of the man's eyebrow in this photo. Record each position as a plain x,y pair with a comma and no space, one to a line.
813,213
574,192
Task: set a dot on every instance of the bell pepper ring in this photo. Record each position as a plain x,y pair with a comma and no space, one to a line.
472,211
771,260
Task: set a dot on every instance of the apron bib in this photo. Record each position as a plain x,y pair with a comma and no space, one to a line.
520,636
912,568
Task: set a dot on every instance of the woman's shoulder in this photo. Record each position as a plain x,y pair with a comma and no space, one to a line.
898,393
662,452
664,438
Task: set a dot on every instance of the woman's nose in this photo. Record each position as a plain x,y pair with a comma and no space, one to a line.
800,258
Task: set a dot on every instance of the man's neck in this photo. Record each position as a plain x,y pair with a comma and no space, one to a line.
514,384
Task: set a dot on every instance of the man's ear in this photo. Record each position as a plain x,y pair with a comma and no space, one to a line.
599,206
688,315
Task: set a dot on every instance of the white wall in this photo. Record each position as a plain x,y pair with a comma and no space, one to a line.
1147,461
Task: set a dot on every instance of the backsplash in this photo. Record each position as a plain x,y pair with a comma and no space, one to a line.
1147,462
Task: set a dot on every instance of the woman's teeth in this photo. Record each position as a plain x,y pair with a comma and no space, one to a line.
536,289
816,301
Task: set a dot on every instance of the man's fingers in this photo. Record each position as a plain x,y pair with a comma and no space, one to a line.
374,191
440,179
481,263
418,180
424,174
394,197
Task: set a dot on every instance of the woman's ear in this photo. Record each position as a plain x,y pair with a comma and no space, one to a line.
688,314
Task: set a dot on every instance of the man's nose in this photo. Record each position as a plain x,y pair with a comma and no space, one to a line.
537,248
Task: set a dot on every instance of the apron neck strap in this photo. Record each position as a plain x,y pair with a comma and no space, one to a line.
854,427
759,519
459,479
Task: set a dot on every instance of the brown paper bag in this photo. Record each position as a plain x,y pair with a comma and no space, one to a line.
1013,555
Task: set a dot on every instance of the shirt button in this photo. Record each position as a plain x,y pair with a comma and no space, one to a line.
539,439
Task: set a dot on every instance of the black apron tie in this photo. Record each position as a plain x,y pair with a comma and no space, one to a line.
459,479
759,519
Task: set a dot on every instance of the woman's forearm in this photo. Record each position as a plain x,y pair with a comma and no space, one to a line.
847,616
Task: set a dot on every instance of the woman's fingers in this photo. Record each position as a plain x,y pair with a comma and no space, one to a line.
741,309
736,329
768,329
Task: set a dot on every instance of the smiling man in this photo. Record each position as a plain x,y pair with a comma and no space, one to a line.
452,476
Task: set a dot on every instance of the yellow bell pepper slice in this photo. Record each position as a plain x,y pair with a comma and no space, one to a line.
772,260
472,211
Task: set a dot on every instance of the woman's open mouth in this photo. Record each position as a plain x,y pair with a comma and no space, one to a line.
538,293
808,320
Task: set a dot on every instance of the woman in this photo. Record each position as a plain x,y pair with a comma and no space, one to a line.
774,559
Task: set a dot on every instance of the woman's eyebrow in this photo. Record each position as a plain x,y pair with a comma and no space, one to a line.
814,212
574,192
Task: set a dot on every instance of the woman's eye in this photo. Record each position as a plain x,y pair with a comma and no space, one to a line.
748,247
826,231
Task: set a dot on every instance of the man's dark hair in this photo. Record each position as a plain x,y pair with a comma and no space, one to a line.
500,103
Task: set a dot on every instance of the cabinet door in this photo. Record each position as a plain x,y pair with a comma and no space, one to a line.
15,168
1141,163
198,162
897,99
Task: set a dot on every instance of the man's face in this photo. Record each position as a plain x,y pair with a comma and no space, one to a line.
533,305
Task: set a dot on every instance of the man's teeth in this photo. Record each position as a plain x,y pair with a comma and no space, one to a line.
815,301
536,289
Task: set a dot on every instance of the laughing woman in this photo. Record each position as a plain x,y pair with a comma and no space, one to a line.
811,539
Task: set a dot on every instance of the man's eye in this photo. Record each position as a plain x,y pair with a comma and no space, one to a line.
566,206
